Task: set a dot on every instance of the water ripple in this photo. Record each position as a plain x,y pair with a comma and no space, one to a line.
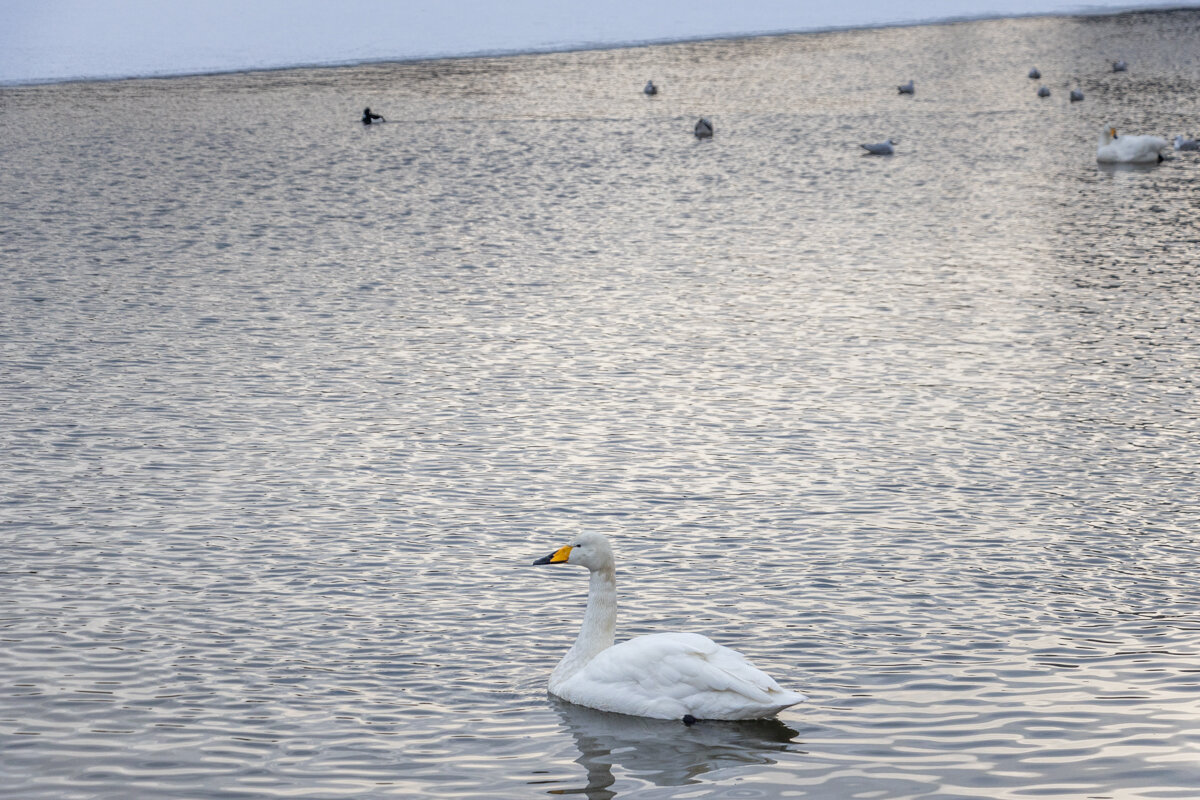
291,404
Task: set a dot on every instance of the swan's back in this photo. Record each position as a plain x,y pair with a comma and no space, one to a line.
670,675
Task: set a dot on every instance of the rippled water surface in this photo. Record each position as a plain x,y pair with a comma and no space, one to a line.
289,405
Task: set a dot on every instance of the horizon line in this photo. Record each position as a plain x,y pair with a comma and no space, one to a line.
583,47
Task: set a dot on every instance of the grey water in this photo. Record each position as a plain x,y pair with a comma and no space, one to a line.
289,404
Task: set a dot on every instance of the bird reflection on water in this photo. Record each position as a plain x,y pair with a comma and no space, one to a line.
664,752
1111,168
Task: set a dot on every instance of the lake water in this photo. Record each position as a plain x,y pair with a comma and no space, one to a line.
289,405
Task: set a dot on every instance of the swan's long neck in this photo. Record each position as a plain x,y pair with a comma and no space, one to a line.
599,626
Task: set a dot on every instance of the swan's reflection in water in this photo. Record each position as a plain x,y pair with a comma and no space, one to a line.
663,752
1111,168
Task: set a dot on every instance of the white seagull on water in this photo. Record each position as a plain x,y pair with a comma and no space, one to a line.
884,148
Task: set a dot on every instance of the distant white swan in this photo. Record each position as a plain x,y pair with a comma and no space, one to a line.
1076,95
1186,144
1115,149
907,88
650,88
884,148
1033,73
703,129
682,676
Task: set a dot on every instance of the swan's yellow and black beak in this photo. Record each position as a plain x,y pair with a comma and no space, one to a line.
559,556
1113,132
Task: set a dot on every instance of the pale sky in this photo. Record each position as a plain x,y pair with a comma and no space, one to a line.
60,39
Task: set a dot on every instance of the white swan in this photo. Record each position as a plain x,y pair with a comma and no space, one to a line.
664,675
1114,149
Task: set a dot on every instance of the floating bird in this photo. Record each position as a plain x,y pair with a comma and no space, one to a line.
1115,149
1120,66
907,88
1033,73
704,129
1043,91
1186,144
650,89
884,148
368,116
1076,95
683,676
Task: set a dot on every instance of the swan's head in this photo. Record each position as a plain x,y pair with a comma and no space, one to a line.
589,550
1107,135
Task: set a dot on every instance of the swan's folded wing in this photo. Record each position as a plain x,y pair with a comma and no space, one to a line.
1139,148
668,675
708,667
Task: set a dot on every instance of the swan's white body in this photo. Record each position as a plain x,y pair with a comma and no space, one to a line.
664,675
1113,149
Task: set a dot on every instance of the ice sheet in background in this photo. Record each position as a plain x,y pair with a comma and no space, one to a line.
49,40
